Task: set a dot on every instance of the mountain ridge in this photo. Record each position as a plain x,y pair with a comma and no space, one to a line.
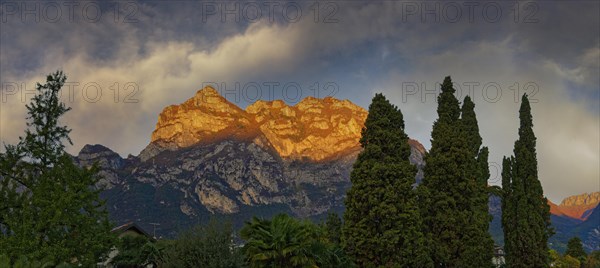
316,129
576,206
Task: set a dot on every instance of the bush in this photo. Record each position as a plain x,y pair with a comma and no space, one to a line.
593,260
137,251
24,262
208,245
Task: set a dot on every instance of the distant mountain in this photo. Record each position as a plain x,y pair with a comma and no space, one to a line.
589,230
577,215
207,157
578,206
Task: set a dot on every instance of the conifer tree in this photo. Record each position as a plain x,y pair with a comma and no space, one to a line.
49,208
575,249
525,210
453,195
333,227
480,243
382,226
508,193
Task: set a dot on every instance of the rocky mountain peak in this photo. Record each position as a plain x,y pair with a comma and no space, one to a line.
94,149
208,91
314,129
107,160
582,199
200,118
90,153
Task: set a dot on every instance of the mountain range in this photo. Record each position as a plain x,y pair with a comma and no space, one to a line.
209,158
577,215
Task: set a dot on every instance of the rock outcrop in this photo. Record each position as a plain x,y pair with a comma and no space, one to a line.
314,129
108,161
585,199
204,117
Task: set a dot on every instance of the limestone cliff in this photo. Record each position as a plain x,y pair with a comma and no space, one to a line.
586,199
314,129
203,117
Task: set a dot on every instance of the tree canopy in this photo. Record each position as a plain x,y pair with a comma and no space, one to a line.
382,224
525,210
453,195
50,208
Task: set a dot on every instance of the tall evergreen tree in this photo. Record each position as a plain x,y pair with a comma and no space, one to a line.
508,193
480,245
525,210
575,249
453,193
382,226
49,206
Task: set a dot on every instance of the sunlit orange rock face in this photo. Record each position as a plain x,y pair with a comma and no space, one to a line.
576,206
200,118
313,129
417,145
555,209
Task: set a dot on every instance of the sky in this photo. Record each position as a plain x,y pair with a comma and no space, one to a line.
127,60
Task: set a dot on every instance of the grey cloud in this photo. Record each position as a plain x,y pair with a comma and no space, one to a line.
169,52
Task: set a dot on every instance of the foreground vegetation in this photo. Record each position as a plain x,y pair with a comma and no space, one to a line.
279,242
49,210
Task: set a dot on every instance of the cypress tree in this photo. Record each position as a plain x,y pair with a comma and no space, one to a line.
526,213
382,226
575,249
452,192
508,207
480,245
